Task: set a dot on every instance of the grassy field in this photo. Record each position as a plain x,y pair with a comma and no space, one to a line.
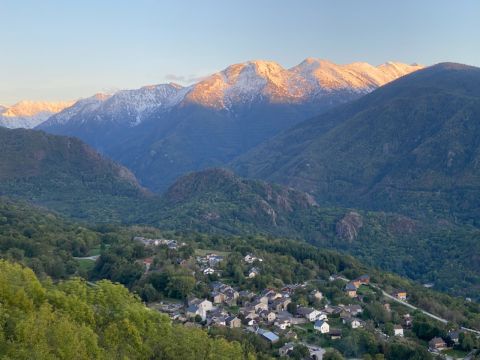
85,264
456,354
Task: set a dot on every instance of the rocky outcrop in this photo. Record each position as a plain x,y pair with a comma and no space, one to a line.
349,227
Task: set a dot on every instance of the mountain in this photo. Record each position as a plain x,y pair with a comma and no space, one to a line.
410,146
28,114
64,174
220,202
164,131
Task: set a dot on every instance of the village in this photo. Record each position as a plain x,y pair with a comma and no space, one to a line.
275,315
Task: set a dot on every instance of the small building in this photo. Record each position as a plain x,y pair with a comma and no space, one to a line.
364,279
269,336
354,323
253,272
309,313
280,304
286,349
335,334
147,262
282,323
400,295
397,330
437,343
354,309
454,336
208,271
218,297
259,306
268,316
233,322
316,295
351,290
322,326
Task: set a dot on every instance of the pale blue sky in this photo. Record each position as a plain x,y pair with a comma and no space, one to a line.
65,49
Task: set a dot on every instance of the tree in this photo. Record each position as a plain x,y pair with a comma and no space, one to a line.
333,355
299,352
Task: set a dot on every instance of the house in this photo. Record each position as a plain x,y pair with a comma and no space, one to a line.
268,316
253,272
335,334
217,297
437,343
351,290
250,259
282,323
233,322
407,321
354,323
397,330
214,259
194,310
354,309
269,336
322,326
400,294
316,295
454,336
147,262
258,306
280,304
309,313
364,279
286,349
208,271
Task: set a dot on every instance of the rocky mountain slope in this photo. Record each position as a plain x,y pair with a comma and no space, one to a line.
28,114
411,147
164,131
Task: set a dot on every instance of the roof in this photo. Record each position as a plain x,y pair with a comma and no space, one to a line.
397,327
350,287
268,335
437,340
192,308
319,323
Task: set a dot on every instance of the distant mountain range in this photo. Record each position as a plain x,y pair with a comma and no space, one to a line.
28,114
161,132
411,146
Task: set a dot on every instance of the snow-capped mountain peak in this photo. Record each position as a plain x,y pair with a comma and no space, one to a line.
28,114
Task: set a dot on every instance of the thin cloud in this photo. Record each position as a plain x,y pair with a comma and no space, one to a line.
190,79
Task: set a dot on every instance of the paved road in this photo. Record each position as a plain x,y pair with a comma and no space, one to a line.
435,317
93,258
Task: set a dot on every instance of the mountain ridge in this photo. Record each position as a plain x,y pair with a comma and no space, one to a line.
184,129
415,136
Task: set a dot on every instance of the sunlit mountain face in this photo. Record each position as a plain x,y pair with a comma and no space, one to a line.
28,114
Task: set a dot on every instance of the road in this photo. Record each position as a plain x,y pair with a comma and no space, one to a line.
93,258
404,303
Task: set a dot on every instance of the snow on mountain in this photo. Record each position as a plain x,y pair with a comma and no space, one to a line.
125,106
253,80
236,85
28,114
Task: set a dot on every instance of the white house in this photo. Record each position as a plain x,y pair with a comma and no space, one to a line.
398,330
309,313
208,271
253,272
354,323
322,326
